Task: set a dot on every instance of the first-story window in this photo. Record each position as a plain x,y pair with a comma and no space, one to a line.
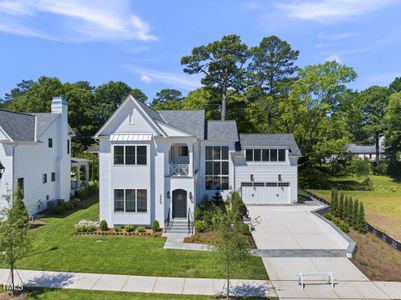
53,177
68,146
130,200
44,178
119,200
50,143
20,182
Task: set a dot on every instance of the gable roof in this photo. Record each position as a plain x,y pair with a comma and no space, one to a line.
18,126
267,139
221,131
21,126
190,121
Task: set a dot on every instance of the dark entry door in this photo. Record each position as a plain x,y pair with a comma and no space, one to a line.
179,204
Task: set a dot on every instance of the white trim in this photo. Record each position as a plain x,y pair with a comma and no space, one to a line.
129,137
6,135
117,111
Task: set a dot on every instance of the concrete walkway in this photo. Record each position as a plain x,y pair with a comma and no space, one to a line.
144,284
292,240
176,241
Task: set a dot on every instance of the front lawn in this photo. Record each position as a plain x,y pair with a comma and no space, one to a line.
382,205
55,248
70,294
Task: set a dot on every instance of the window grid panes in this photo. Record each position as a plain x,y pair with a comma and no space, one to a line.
265,155
130,155
217,168
131,200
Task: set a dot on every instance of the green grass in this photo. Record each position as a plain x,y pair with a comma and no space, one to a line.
382,205
118,254
61,294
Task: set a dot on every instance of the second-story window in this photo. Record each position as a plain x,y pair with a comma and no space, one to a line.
217,168
50,143
130,155
44,178
265,155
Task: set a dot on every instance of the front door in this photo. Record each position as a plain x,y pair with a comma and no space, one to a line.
179,204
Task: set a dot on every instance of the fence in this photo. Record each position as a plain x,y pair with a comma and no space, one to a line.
369,228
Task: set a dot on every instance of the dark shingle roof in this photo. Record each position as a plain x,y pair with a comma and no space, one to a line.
356,149
266,139
19,126
221,131
154,115
191,121
44,120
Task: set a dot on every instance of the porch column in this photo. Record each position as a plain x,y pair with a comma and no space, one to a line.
86,173
78,176
191,159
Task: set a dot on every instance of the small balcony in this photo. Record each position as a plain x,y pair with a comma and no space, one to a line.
179,169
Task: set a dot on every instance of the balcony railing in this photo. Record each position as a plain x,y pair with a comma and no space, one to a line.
179,170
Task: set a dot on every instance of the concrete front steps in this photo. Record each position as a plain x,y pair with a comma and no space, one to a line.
178,226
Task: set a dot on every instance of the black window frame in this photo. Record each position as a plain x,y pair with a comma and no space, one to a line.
137,156
265,155
44,178
53,176
50,143
127,204
217,168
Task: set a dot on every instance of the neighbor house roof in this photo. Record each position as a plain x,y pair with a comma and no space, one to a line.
274,140
21,126
190,121
221,131
356,149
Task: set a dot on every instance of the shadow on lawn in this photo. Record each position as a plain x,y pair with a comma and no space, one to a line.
83,204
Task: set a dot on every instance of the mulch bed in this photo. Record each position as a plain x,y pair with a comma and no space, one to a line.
375,258
147,233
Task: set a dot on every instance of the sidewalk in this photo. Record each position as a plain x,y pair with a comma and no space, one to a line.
144,284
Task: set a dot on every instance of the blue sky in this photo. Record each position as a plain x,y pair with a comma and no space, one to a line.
141,41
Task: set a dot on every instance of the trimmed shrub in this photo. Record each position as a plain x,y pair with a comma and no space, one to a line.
355,212
75,202
155,226
129,228
361,218
340,208
345,208
217,199
103,225
86,226
200,226
117,228
140,229
368,184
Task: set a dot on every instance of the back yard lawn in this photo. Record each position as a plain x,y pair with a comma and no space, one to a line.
382,205
55,248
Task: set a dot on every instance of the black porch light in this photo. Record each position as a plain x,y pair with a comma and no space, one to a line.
2,169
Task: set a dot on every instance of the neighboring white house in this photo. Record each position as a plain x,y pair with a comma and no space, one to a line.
160,164
35,153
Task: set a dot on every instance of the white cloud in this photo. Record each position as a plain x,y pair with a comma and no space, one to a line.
181,80
75,20
330,10
335,58
146,79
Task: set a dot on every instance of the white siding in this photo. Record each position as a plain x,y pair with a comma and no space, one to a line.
6,182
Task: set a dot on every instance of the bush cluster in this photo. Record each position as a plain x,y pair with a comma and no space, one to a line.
63,207
348,210
85,226
129,228
91,189
103,225
140,229
207,212
155,226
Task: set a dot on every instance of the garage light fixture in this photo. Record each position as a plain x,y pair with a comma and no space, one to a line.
168,195
190,196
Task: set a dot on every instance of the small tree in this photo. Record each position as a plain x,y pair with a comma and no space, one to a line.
345,209
230,246
355,212
218,199
340,206
361,218
14,242
334,201
350,208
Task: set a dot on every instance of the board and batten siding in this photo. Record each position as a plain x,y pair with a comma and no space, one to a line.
6,182
268,173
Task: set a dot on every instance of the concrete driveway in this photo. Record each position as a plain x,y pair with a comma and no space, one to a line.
293,227
286,233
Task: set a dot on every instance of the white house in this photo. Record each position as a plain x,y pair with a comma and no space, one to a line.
157,165
35,153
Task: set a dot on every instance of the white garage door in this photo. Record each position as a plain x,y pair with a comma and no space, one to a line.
256,193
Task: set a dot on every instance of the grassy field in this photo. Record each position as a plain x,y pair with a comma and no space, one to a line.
382,205
67,294
55,248
376,259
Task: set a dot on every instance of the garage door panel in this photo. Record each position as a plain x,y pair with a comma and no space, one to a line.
268,193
